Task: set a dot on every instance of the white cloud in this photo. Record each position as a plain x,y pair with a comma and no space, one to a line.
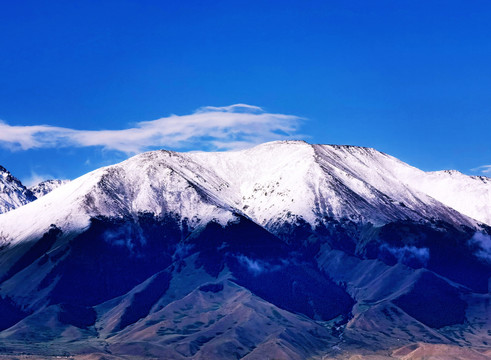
408,254
253,266
484,169
208,128
257,267
483,242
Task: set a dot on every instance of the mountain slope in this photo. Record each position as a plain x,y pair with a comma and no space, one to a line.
342,181
470,195
281,179
155,182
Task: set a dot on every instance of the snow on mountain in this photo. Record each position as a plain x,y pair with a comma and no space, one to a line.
45,187
159,182
12,193
272,183
470,195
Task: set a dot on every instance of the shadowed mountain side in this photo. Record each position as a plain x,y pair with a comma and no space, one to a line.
130,265
397,304
440,247
222,321
109,282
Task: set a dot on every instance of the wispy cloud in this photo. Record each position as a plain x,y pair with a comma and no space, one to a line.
208,128
408,254
36,178
485,169
483,242
257,267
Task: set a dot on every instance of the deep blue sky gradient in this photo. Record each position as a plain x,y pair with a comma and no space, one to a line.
410,78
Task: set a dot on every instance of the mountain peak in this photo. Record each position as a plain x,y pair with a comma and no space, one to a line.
46,186
12,192
285,142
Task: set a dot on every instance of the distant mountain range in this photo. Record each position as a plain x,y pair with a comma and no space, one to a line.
287,250
14,194
46,186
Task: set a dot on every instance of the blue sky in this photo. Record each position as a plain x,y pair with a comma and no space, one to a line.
410,78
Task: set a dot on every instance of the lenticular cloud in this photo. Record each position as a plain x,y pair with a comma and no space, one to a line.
208,128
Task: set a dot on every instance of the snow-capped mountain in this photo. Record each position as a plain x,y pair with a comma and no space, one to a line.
314,181
46,186
470,195
287,249
272,184
12,193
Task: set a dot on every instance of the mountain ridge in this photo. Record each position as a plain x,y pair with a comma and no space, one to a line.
307,188
420,181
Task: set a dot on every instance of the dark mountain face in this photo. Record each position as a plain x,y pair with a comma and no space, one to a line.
113,256
119,274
